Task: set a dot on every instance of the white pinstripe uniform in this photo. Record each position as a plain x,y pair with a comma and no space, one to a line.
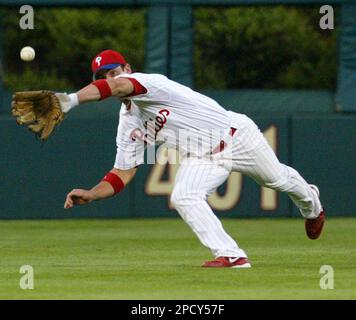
200,173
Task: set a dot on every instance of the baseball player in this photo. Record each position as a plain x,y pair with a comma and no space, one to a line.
155,108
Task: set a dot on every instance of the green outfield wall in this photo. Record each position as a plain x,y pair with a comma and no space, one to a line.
35,177
314,131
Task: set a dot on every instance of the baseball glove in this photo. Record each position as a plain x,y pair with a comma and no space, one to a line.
39,110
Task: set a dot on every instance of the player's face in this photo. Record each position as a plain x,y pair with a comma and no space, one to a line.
113,73
117,71
109,74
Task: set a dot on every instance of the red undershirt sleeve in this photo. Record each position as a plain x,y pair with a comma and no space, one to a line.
138,88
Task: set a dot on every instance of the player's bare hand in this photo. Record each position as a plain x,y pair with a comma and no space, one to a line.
78,197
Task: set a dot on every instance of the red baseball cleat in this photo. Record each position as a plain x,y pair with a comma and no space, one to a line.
227,262
313,227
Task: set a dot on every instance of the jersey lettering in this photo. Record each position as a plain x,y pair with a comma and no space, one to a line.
159,122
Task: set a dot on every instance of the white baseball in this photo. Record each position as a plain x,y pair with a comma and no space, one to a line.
27,54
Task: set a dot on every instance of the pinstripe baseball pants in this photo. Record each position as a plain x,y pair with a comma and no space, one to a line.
248,153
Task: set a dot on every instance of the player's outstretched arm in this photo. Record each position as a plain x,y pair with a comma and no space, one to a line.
101,89
95,91
112,183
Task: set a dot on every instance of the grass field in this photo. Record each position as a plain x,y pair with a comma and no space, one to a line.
161,258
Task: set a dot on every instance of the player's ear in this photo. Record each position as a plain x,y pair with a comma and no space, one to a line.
127,68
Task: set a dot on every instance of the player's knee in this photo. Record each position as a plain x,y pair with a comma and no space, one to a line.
180,198
277,184
280,182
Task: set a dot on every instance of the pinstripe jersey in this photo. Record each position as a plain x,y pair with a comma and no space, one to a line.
169,112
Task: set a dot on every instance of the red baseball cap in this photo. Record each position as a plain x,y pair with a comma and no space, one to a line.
107,59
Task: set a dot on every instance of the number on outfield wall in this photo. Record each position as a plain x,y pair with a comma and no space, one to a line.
161,180
167,162
232,195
